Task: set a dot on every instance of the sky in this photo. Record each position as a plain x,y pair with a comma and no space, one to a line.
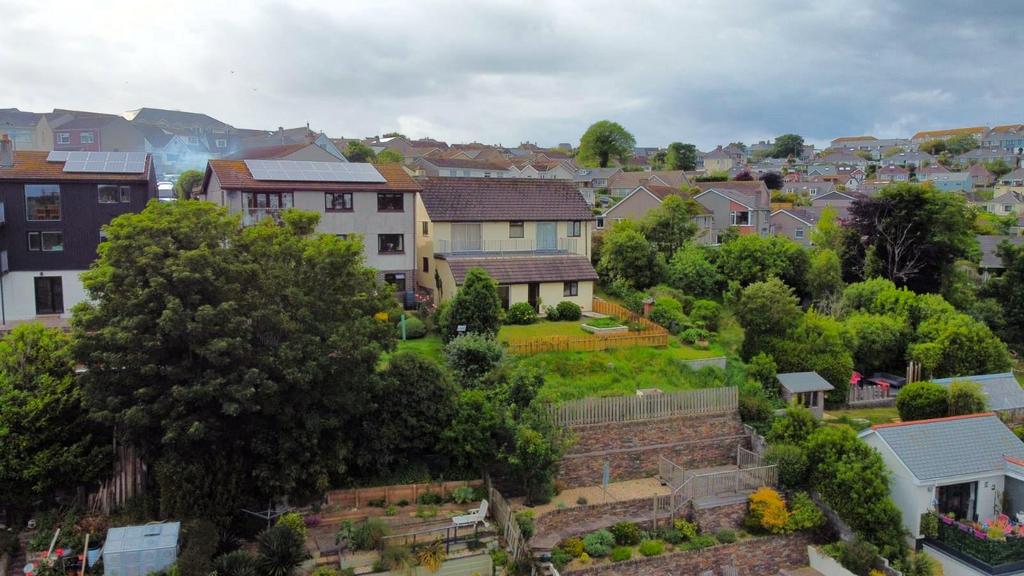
702,71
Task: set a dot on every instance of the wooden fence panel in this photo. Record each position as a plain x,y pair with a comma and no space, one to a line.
504,519
704,401
360,497
864,394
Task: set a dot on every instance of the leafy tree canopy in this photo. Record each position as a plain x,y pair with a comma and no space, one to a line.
476,306
389,156
681,156
767,311
753,258
788,145
186,181
670,225
604,141
358,152
246,351
626,255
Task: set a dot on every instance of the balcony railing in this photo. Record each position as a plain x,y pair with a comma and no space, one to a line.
511,245
1002,555
253,216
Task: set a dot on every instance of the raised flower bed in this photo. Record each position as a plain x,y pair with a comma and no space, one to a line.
601,326
994,543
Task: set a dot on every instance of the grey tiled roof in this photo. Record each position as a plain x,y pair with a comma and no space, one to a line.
949,447
990,249
1002,390
797,382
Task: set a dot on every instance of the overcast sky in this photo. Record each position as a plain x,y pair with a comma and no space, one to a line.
705,72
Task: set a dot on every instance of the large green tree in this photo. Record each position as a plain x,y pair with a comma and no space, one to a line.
692,272
788,145
359,152
627,255
767,311
914,232
243,353
817,343
681,156
754,258
670,225
1007,290
604,141
46,442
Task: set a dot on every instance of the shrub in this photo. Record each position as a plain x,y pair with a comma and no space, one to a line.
598,544
686,528
376,502
768,510
521,313
652,547
463,495
584,558
626,534
472,357
574,546
427,511
794,427
294,521
762,369
397,558
922,400
238,563
403,503
199,544
922,564
391,511
725,536
581,501
694,335
560,558
524,518
568,310
414,328
432,498
707,311
755,408
476,306
672,536
966,397
804,513
621,554
699,542
857,556
791,462
930,524
551,313
369,533
499,557
668,313
281,551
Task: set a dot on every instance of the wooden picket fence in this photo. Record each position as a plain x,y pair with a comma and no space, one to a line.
871,395
127,481
359,497
508,528
632,408
650,335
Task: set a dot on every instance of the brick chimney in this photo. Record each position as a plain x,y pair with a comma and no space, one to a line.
6,152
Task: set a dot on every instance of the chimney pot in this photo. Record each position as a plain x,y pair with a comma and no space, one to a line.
6,152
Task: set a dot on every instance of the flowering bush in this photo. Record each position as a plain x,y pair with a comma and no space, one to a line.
768,510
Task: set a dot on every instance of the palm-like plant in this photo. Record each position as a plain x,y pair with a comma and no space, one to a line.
237,563
398,559
281,550
432,555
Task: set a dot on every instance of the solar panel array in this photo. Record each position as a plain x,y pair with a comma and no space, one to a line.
305,171
100,162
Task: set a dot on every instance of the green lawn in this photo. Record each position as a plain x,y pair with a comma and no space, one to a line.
882,415
542,328
430,346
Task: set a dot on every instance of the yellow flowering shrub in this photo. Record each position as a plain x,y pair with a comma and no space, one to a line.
769,511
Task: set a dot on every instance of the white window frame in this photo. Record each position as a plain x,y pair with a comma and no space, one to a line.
63,138
798,233
82,138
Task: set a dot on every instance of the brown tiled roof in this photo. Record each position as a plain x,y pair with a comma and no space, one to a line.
853,139
234,175
524,269
32,165
461,163
950,132
501,199
633,179
744,186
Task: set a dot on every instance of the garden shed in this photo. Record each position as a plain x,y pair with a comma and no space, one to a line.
807,388
140,550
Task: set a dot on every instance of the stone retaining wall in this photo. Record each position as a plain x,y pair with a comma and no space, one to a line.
729,516
557,525
632,449
754,557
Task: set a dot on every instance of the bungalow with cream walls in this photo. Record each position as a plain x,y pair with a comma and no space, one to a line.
531,235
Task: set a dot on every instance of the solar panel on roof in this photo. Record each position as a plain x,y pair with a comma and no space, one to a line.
102,162
306,171
57,156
